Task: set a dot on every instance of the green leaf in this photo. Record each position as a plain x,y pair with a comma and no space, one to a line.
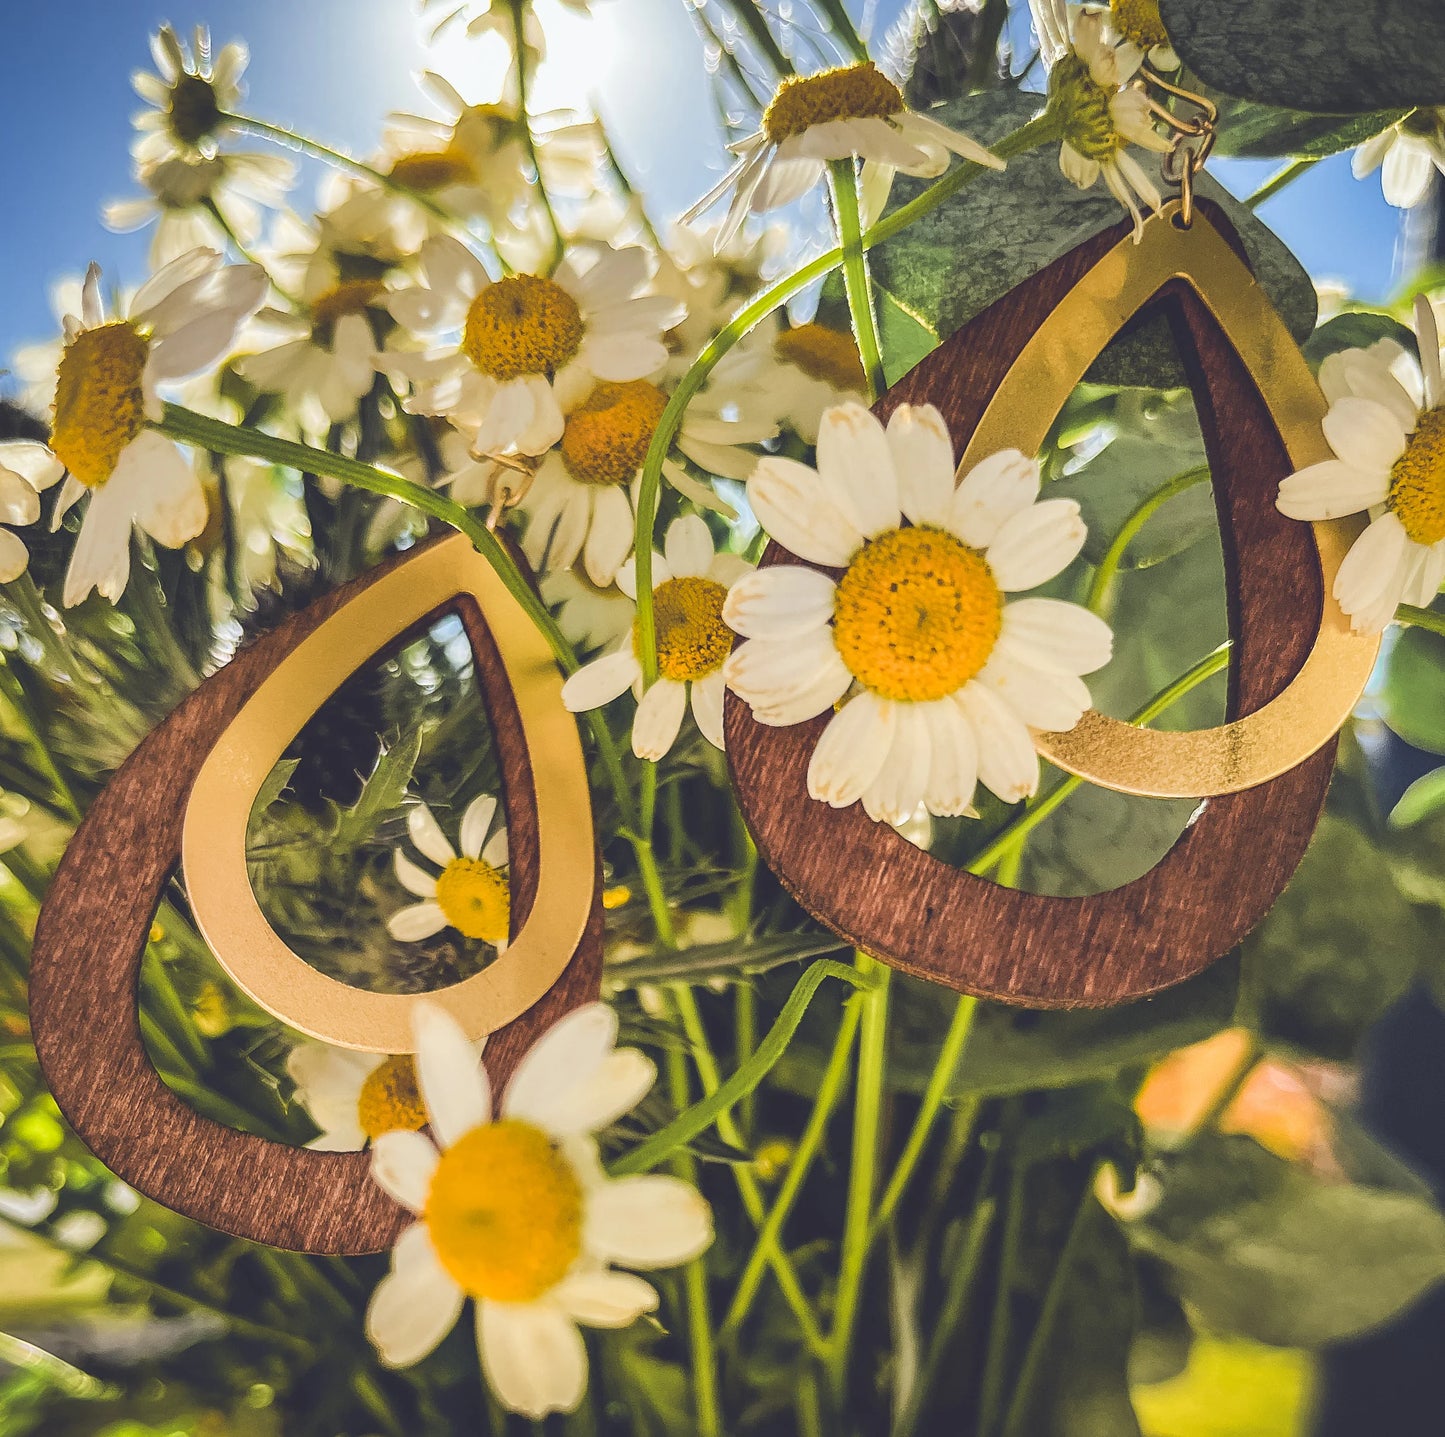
1340,946
1315,55
1413,698
1356,329
906,337
1252,131
955,261
274,786
1013,1050
1267,1250
1230,1389
1422,800
384,790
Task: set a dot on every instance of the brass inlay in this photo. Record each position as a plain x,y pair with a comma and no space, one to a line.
1317,702
213,843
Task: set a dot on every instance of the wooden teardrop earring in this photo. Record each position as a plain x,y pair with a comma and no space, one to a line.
999,381
188,791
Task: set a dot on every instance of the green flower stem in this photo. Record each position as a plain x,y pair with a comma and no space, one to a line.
1032,1369
519,10
1038,131
999,1334
657,903
702,1348
844,28
1414,618
750,16
809,1144
13,693
944,1069
862,1172
962,1274
1101,589
229,230
843,181
1282,177
289,139
1013,833
743,1174
222,438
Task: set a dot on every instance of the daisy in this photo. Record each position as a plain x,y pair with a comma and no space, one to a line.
192,96
581,500
26,468
183,193
1099,112
354,1097
1138,23
1404,154
589,617
689,587
852,111
515,1211
1386,426
326,357
813,368
528,344
180,323
946,676
471,893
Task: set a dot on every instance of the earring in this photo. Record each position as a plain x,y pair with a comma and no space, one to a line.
186,794
1263,775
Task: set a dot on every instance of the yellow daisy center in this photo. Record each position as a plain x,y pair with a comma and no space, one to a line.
504,1212
1082,105
193,110
350,296
606,437
476,899
851,92
1138,20
1417,482
916,615
390,1100
821,353
522,325
99,402
692,639
428,170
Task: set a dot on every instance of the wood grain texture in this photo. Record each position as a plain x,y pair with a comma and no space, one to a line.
92,934
1222,875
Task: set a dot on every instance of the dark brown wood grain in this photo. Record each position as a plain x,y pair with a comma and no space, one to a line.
92,934
897,902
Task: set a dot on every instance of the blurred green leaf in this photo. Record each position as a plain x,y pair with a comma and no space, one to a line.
1268,1250
1413,697
1314,55
1356,329
1231,1389
1255,131
1422,800
1340,946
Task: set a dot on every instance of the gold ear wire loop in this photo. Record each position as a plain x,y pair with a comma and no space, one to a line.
1193,139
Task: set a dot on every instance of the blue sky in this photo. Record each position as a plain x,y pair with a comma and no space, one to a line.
333,68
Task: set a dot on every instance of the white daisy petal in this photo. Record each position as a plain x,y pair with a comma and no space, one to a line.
647,1221
1366,435
856,465
533,1356
567,1054
416,921
426,833
1038,543
1052,702
923,460
688,547
609,536
1056,636
601,681
953,760
495,850
658,719
798,510
706,701
411,877
602,1298
781,602
1370,572
899,785
1330,490
402,1165
1406,175
14,556
852,750
453,1082
32,461
769,671
476,822
1008,764
416,1305
993,491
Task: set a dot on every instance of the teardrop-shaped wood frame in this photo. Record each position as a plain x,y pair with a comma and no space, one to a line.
899,903
97,917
